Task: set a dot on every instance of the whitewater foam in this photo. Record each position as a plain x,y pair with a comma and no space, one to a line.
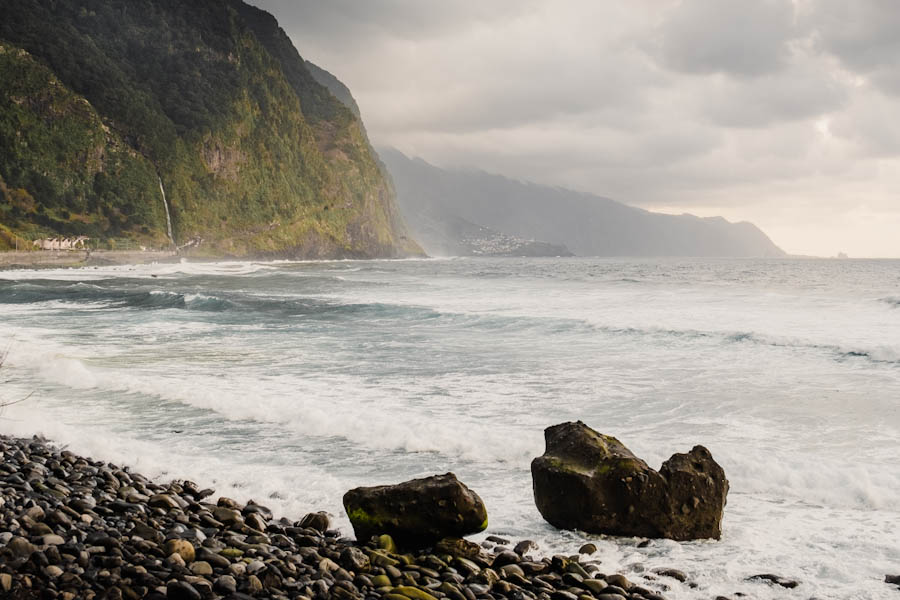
291,382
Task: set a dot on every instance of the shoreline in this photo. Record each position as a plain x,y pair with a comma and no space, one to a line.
72,527
75,259
62,259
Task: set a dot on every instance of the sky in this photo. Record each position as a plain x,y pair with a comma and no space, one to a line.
785,113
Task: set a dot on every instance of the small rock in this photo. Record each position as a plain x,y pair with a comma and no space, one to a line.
595,585
386,542
255,521
5,582
507,571
524,547
53,540
181,547
317,520
254,585
175,559
57,517
894,579
619,580
413,592
225,584
228,516
354,559
201,568
256,566
506,557
181,590
458,547
35,513
588,549
227,503
20,547
216,560
776,579
52,571
673,573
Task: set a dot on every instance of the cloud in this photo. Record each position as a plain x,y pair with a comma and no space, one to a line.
766,110
871,125
790,94
862,35
740,38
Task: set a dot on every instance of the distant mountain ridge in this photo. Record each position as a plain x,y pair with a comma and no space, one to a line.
432,200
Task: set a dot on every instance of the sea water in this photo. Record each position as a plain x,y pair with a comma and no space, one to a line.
292,382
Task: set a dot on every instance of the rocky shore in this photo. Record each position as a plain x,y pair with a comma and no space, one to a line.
73,528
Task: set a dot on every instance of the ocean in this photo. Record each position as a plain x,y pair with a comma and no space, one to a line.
292,382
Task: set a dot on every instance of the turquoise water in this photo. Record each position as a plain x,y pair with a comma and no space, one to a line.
293,382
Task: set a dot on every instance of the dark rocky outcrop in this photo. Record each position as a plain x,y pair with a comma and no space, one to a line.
416,513
590,481
894,579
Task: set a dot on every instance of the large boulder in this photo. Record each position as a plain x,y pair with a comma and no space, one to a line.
416,513
589,481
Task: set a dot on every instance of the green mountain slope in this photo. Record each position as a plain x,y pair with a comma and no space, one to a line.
102,100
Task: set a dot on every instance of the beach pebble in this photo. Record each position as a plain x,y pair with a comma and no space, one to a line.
618,580
182,548
673,573
588,549
201,568
775,579
318,521
164,546
225,584
181,590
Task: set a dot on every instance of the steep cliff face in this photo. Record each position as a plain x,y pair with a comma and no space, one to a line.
103,100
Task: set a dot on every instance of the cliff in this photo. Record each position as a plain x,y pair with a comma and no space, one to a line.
107,106
433,200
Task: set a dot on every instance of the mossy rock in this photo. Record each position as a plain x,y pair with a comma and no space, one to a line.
416,513
589,481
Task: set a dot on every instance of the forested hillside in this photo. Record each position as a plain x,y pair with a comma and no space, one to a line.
107,104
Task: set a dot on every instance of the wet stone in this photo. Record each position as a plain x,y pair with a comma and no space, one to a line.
588,549
775,579
180,590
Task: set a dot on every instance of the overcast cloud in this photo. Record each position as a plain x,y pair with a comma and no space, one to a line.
780,112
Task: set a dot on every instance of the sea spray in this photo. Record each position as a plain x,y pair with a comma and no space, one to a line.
162,191
249,377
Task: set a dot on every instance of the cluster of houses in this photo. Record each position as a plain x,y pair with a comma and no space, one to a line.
58,243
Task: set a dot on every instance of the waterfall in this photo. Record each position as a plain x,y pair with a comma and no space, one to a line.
168,216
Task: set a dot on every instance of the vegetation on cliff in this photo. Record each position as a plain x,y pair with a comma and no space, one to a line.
103,100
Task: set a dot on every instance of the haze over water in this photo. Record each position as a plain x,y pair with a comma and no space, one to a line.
290,383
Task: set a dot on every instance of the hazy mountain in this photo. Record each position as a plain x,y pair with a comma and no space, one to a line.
104,101
334,85
433,200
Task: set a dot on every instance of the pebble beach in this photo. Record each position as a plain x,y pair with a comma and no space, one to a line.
75,528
